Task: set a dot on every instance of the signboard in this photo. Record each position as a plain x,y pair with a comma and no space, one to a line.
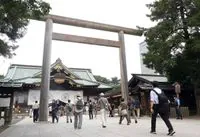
63,95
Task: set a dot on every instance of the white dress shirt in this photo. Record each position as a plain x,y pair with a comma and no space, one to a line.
154,96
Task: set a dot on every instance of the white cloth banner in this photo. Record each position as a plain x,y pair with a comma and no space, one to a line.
4,102
63,95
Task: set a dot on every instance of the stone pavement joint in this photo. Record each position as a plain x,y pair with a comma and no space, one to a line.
92,128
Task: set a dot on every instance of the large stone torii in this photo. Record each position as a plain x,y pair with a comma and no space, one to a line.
50,35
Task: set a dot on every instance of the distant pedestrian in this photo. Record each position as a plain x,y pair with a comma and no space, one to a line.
177,107
132,109
103,103
95,109
69,108
159,104
54,111
78,113
137,107
35,109
90,109
123,108
112,107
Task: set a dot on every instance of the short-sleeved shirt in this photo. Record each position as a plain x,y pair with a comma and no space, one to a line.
154,96
35,106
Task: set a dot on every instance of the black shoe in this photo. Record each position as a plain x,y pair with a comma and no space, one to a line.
136,121
171,133
153,132
67,121
70,120
128,123
103,126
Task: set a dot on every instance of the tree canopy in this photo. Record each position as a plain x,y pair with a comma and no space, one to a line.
14,17
174,43
114,80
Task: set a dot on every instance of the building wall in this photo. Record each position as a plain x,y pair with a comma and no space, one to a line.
63,95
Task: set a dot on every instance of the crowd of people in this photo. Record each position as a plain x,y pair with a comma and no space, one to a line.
159,104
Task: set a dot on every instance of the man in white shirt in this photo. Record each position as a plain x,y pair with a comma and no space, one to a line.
157,108
35,109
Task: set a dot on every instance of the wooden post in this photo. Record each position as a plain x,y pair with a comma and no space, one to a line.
123,69
8,111
44,93
11,107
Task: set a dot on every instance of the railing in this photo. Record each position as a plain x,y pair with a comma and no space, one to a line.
184,111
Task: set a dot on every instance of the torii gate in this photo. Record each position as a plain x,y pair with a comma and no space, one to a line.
50,35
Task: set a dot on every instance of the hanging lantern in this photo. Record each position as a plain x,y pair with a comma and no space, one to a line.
59,78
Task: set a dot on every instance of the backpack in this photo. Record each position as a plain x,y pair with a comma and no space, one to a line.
162,98
79,104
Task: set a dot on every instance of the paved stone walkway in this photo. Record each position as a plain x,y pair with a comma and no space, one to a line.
92,128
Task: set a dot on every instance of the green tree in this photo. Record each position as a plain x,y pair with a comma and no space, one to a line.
14,17
114,80
102,79
174,43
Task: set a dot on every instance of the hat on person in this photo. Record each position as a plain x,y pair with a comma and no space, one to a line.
101,94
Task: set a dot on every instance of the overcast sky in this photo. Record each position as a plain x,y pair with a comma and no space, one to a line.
103,61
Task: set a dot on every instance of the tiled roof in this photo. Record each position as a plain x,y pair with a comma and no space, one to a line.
151,78
85,82
29,74
29,80
83,74
17,71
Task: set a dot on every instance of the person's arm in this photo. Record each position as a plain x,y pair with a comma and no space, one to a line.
151,106
151,101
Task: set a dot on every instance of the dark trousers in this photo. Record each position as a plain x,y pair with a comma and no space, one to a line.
111,113
178,113
54,116
90,114
122,117
164,114
35,115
